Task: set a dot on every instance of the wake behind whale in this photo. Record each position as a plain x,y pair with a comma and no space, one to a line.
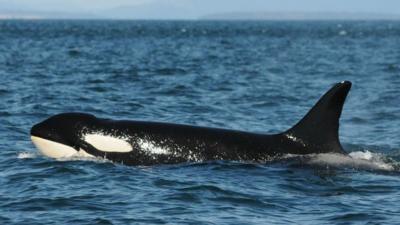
148,143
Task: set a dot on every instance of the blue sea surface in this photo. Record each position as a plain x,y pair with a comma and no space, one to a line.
252,76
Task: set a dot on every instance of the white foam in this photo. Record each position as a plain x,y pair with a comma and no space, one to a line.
26,155
357,160
81,157
366,155
108,143
151,148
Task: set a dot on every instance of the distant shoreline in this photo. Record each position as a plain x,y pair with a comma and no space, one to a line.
302,16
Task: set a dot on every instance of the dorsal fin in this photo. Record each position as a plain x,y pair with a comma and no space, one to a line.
318,129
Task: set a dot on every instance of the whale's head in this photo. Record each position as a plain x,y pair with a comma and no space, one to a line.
58,136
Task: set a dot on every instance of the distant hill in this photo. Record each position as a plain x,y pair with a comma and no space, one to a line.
151,10
12,9
33,14
299,16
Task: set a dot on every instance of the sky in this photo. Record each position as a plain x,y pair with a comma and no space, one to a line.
193,9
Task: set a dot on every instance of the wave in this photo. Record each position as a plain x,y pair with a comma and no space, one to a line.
26,155
361,160
79,156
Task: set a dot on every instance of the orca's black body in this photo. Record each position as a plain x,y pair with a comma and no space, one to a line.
147,143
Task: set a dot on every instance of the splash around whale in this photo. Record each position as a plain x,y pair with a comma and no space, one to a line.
148,143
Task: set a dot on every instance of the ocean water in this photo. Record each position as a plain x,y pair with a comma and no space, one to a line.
253,76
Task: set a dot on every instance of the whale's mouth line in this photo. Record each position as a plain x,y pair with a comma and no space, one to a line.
53,149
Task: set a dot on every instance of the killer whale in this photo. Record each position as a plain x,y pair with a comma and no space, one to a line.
147,143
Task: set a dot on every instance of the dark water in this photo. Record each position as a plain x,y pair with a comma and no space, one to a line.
254,76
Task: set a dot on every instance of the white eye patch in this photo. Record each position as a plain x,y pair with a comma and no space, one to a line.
108,143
